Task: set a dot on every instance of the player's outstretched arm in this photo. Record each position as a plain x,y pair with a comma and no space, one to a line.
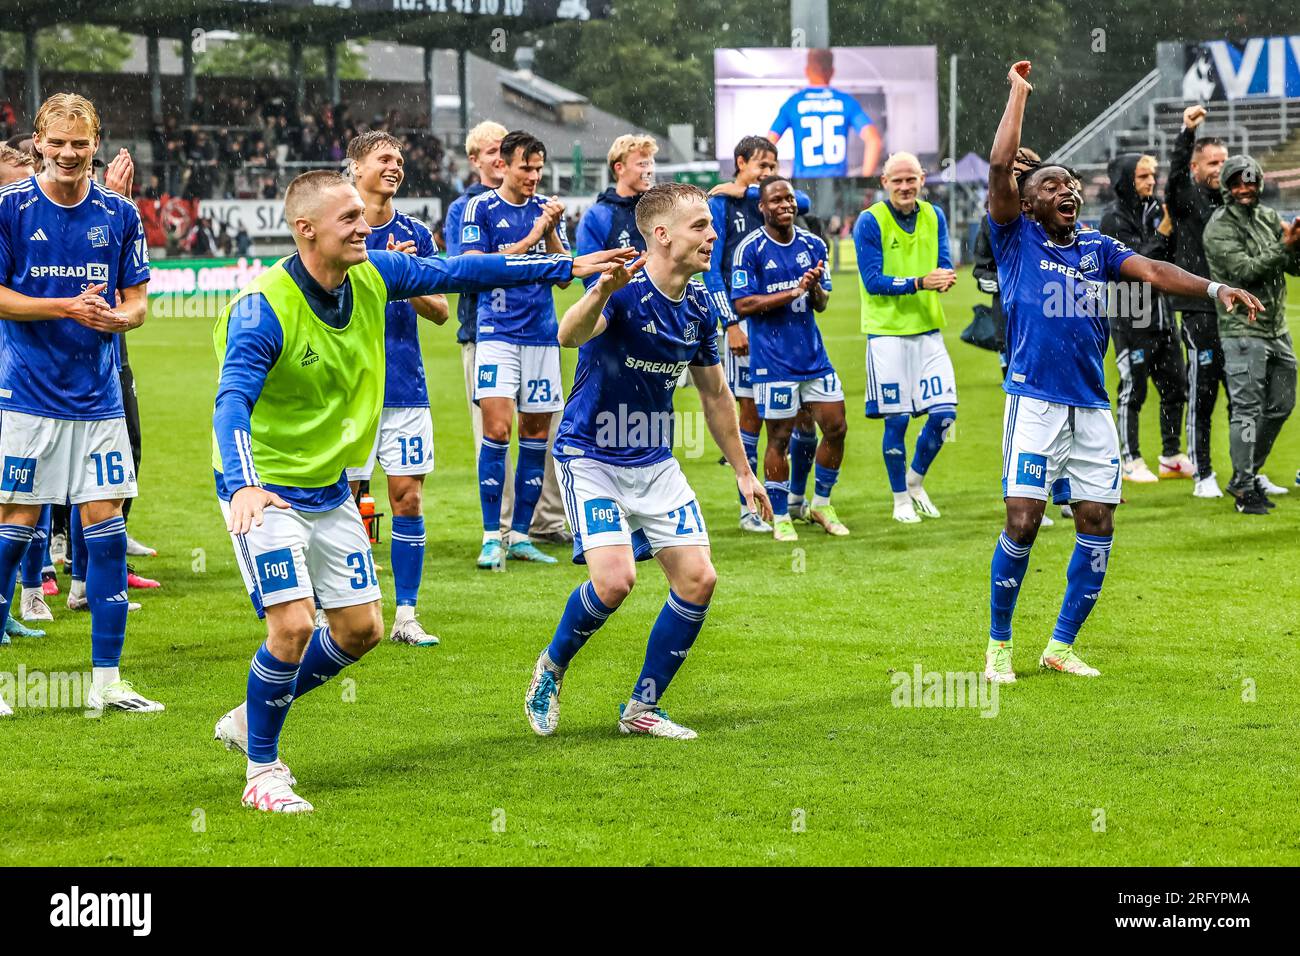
1004,197
719,407
584,320
1167,277
431,307
410,276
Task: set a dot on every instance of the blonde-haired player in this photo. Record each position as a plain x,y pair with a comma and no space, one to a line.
68,248
611,221
15,165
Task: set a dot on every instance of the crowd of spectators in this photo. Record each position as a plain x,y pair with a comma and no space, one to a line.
244,149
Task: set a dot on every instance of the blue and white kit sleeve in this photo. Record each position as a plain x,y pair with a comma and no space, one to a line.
715,281
253,343
592,229
408,276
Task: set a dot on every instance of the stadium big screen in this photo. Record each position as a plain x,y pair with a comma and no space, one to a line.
824,106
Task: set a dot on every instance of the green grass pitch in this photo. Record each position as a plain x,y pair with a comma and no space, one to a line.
1183,752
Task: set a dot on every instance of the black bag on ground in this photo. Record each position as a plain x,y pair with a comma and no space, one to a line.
981,333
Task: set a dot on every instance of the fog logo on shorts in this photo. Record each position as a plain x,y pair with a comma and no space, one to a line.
487,376
602,515
890,393
1032,470
780,398
276,570
19,474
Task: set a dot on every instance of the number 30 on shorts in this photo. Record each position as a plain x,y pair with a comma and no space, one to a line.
362,564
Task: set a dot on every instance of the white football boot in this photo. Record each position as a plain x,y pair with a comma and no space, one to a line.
905,510
750,521
34,607
271,790
646,719
232,732
120,695
542,702
410,632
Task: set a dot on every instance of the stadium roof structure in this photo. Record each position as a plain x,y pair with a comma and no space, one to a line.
441,24
461,25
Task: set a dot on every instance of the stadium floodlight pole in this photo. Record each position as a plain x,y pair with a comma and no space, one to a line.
953,241
33,63
810,26
462,87
431,86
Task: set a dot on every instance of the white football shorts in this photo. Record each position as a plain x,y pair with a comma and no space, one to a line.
50,461
908,374
780,400
1059,451
403,444
607,504
529,375
736,367
297,553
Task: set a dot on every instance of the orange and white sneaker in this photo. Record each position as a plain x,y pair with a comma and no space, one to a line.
270,790
1061,657
1179,466
652,721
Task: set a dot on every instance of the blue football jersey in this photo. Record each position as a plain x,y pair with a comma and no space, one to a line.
785,344
620,409
404,385
58,368
820,118
1054,298
525,315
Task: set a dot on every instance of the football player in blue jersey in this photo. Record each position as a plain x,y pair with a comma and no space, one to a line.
611,221
779,278
734,207
404,443
819,118
517,358
1059,438
301,351
626,496
68,248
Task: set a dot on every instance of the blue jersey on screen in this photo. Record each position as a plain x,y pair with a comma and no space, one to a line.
820,118
404,385
1054,298
526,315
620,409
58,368
785,344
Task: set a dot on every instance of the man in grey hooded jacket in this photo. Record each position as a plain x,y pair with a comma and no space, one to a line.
1247,245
